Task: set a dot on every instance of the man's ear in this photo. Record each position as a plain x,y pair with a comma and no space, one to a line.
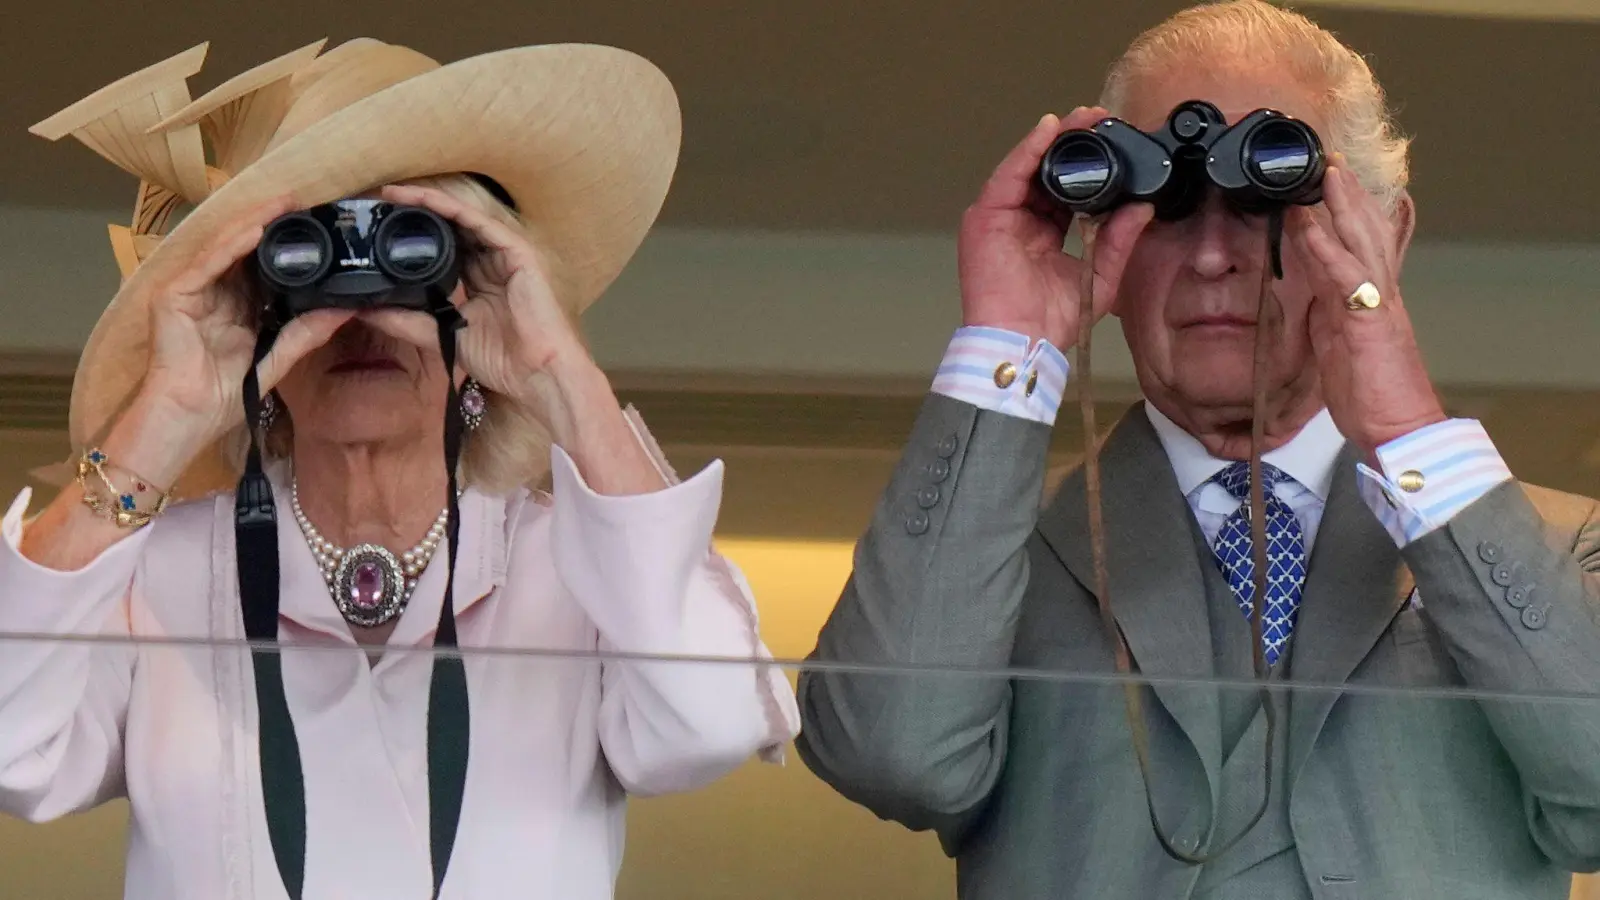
1404,218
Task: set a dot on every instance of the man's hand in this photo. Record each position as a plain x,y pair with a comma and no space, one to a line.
1014,274
1373,378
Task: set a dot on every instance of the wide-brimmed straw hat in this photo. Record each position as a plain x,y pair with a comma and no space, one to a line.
583,138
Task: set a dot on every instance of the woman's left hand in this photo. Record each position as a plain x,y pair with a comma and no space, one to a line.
1373,378
518,340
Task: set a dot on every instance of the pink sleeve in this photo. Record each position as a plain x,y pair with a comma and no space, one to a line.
63,701
644,570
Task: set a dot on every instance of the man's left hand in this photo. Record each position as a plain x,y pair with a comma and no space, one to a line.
1373,378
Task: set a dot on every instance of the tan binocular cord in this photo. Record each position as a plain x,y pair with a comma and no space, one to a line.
1266,326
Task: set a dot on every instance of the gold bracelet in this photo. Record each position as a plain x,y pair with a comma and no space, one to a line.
124,510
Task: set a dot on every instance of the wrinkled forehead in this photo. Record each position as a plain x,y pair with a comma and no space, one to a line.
1237,90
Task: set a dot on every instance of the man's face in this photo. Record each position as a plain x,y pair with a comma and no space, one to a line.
1188,301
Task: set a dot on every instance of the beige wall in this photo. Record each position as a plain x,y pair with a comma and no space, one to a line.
858,305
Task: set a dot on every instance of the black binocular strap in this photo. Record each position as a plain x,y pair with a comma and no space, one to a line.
449,718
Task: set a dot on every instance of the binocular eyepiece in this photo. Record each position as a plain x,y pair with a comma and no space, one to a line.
356,254
1264,160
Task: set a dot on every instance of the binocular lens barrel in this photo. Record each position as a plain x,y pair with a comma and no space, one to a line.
1281,155
1079,167
295,252
413,246
1264,160
409,246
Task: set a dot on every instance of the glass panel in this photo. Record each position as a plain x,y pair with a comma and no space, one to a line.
1028,775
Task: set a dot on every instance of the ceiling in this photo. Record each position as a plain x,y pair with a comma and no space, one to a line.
882,115
1574,10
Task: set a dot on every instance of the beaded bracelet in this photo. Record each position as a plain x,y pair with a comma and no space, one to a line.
124,511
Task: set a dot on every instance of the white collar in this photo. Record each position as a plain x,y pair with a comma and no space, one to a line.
1308,457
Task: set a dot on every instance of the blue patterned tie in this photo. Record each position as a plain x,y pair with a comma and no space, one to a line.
1286,555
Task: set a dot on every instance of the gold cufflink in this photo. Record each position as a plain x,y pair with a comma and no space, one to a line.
1411,481
1033,382
1004,375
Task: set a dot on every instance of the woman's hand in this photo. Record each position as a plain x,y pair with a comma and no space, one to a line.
200,348
518,341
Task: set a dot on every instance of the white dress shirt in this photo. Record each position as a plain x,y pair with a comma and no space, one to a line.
1308,459
557,741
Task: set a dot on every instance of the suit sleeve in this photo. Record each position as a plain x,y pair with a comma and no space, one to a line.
1519,610
938,581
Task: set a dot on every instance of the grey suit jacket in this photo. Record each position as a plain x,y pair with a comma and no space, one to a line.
1031,783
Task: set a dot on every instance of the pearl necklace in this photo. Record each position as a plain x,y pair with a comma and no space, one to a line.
368,583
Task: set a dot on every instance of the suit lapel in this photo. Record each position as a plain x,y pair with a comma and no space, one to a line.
1157,587
1355,586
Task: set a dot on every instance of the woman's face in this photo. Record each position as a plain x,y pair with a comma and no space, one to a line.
364,386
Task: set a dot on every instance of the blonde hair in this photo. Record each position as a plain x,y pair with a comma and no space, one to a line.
510,449
1252,32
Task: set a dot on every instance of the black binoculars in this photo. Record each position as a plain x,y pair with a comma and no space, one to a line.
1265,160
357,254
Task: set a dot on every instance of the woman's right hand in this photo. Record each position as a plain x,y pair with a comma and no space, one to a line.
200,348
1014,273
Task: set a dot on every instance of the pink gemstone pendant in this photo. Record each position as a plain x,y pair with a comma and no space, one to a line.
370,587
367,591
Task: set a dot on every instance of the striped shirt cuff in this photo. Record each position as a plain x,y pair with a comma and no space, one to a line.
997,370
1430,475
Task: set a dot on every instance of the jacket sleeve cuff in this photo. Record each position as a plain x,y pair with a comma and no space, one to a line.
1428,476
629,559
999,371
644,570
41,600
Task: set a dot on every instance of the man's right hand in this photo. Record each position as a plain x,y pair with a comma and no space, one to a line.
1014,273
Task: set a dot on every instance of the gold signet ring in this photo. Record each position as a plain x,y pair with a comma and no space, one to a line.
1364,297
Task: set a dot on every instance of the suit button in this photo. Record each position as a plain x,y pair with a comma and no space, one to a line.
1533,618
938,470
928,497
1519,596
1489,553
917,522
1501,575
947,447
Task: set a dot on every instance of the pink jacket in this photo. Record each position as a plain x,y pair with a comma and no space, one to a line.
557,740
